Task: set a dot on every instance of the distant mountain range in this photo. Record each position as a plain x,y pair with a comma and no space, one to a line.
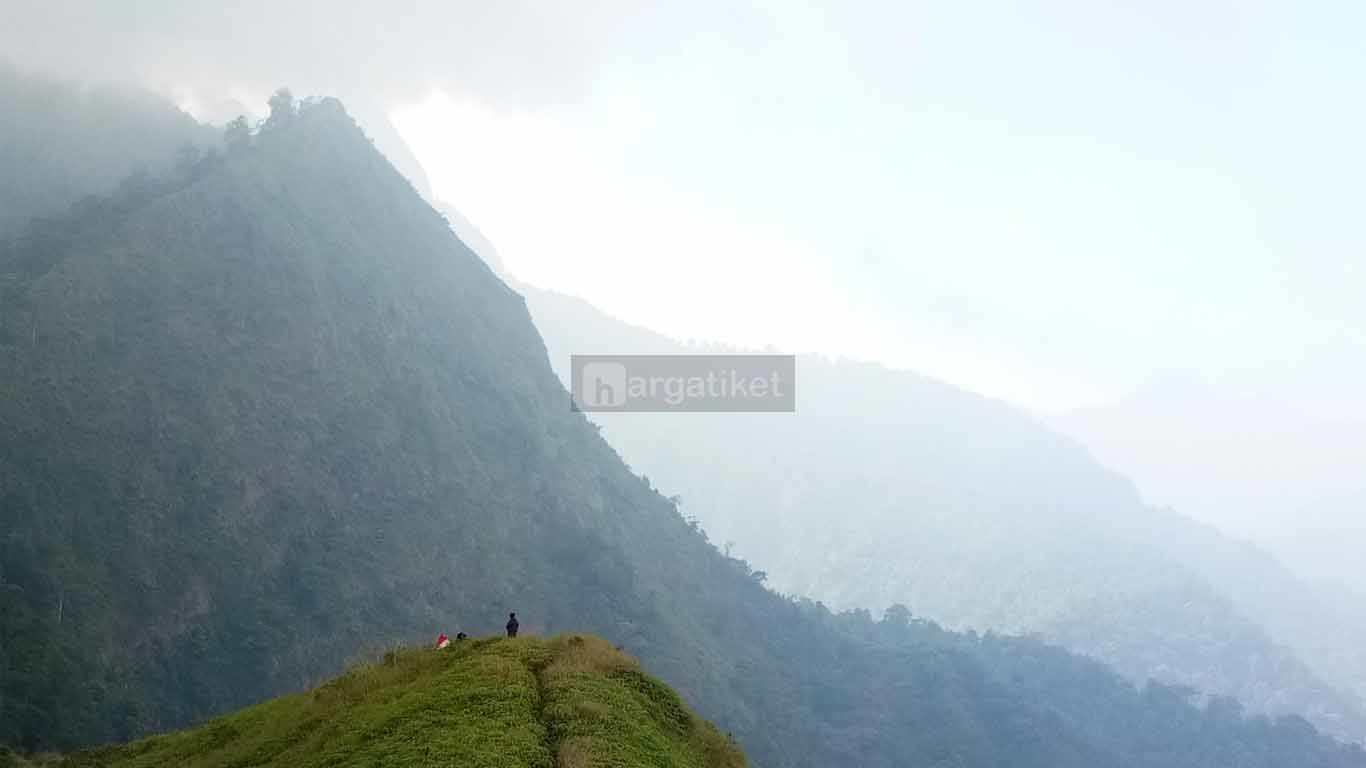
889,487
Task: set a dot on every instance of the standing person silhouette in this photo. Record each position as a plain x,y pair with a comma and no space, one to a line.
512,625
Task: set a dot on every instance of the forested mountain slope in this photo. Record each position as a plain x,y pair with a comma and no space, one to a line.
890,487
266,412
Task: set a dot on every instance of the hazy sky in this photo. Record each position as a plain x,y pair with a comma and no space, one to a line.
1053,202
1049,205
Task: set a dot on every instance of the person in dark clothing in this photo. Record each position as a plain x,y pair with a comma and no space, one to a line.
512,625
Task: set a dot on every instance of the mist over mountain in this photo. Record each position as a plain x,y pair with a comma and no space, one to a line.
265,411
515,52
1280,440
64,141
888,487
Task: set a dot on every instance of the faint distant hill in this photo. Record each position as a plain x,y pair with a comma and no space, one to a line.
1269,459
1274,454
890,487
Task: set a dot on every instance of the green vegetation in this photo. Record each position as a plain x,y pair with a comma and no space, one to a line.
568,702
266,411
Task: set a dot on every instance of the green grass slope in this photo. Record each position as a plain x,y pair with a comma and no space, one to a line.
572,701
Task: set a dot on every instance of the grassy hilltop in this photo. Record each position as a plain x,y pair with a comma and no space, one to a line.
571,701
